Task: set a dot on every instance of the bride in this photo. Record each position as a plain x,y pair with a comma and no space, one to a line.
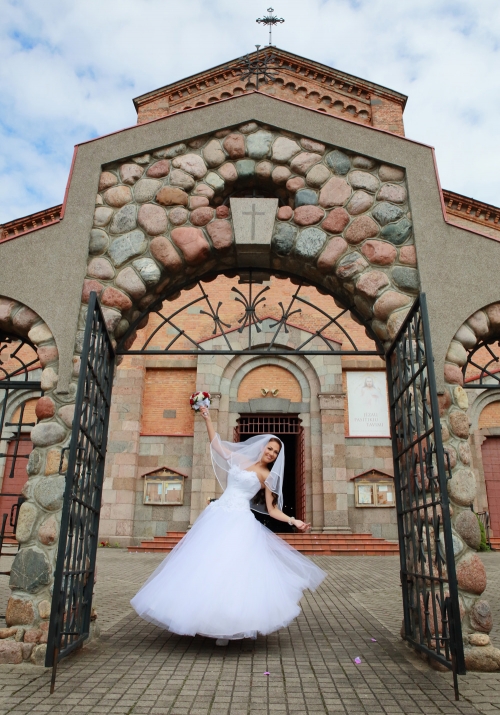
230,577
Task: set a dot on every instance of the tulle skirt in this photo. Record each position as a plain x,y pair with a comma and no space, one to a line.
229,577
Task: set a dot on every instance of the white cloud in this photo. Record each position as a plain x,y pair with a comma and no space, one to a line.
69,71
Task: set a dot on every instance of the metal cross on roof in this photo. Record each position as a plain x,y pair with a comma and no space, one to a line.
260,67
270,20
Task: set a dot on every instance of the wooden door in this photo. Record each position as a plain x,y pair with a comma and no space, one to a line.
491,464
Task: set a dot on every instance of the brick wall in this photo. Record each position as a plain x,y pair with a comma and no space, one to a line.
166,408
29,412
270,377
490,416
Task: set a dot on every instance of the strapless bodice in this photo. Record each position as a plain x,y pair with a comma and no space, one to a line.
242,485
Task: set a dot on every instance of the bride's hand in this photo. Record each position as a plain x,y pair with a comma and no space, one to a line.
204,412
301,526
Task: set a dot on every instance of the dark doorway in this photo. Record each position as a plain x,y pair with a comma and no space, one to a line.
290,432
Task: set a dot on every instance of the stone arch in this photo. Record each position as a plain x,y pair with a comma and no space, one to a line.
482,325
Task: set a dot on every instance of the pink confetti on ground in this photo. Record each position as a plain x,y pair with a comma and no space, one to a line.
357,660
373,640
266,673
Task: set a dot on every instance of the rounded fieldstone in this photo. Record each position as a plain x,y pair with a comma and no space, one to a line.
67,414
172,196
480,617
395,322
248,128
459,423
464,452
11,653
153,219
118,196
407,254
24,320
465,336
308,215
363,180
311,145
479,639
126,247
49,492
245,168
444,402
192,164
165,253
360,229
28,514
338,162
131,173
112,318
331,254
30,570
350,265
178,216
170,151
264,170
359,203
259,144
493,313
392,192
221,234
38,655
285,213
130,282
49,379
406,279
379,252
100,268
372,282
102,216
318,175
479,323
281,174
40,334
222,211
234,144
124,220
310,242
335,192
301,163
116,299
20,612
159,169
213,154
391,173
386,213
192,243
305,197
48,531
45,408
363,162
295,184
98,241
471,574
45,434
178,177
106,180
146,190
284,149
456,354
453,374
336,221
462,487
388,303
201,216
215,181
467,526
284,238
35,458
397,233
195,202
229,173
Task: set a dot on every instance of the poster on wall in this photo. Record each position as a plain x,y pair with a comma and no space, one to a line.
368,404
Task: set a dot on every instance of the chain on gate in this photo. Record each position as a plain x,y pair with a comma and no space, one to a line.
421,471
75,568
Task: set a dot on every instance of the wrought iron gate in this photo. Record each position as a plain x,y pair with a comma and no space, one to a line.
18,383
75,569
421,471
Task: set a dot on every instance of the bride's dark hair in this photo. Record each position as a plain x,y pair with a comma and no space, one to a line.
260,497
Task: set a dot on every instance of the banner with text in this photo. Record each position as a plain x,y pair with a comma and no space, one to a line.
368,404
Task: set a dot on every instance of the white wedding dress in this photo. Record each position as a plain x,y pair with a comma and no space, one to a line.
229,577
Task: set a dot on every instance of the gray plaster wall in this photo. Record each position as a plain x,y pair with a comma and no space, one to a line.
45,269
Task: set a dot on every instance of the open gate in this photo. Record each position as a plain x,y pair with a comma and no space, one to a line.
75,568
421,471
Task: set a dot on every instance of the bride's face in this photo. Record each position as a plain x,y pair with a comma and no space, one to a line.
271,452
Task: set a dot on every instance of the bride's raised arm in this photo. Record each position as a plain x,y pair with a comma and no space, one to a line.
212,434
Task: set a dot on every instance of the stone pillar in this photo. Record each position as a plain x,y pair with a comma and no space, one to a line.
121,479
204,484
331,405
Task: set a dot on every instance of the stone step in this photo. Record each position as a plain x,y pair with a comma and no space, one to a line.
495,543
312,544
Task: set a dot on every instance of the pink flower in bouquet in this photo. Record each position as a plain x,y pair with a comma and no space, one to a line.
200,399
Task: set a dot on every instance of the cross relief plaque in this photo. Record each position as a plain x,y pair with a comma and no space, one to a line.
253,223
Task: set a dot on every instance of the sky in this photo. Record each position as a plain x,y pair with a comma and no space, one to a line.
69,70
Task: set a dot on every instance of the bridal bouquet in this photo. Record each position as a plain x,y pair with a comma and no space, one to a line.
200,399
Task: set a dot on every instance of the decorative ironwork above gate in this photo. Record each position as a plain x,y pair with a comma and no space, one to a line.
243,308
482,358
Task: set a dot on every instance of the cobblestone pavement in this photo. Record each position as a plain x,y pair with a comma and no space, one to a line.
138,669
